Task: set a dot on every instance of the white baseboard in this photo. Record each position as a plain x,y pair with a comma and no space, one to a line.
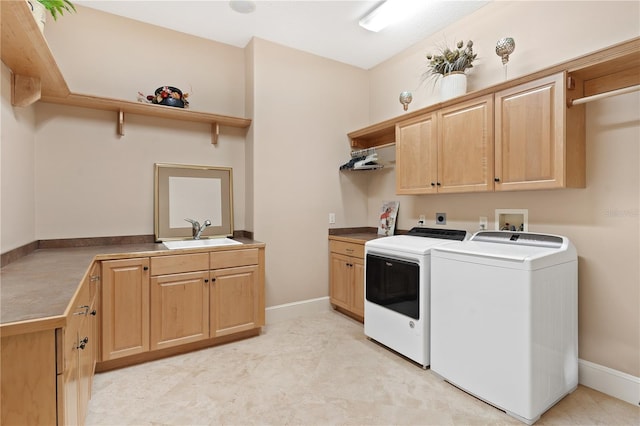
296,309
607,380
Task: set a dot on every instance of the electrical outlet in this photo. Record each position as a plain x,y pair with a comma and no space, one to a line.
332,218
422,220
441,218
483,222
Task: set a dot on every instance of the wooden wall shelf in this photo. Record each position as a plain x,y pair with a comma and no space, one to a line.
606,70
36,77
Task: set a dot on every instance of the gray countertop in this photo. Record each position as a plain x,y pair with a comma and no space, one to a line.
41,284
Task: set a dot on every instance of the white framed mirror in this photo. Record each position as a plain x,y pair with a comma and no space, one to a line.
199,193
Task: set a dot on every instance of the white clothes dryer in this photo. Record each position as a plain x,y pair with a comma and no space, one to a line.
396,306
504,319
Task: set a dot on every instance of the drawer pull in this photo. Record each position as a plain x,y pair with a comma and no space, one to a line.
349,250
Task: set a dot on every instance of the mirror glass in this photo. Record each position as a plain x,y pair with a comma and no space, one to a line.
199,193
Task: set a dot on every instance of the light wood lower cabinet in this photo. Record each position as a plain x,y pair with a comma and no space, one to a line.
204,295
125,307
179,309
47,375
346,277
28,379
77,350
161,302
234,299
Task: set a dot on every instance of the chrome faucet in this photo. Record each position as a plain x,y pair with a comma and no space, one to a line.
196,228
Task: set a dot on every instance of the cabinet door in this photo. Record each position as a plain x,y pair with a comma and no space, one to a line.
417,155
465,146
357,301
29,385
70,380
340,280
179,309
529,146
125,307
86,342
234,300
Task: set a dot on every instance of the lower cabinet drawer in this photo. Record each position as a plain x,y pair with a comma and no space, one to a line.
233,258
348,249
176,264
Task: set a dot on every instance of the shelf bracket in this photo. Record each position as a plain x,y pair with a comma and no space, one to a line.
121,123
25,90
215,132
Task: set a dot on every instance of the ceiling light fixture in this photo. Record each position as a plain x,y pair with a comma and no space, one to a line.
243,6
387,13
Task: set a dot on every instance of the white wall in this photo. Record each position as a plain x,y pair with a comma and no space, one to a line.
91,182
304,106
602,220
17,186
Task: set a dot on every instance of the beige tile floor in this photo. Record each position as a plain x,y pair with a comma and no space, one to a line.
320,370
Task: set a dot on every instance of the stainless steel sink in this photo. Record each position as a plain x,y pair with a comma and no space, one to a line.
213,242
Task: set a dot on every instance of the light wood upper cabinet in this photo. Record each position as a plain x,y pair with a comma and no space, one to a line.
417,155
179,309
449,150
465,146
539,143
125,307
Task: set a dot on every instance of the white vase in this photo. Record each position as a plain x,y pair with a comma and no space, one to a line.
452,85
39,13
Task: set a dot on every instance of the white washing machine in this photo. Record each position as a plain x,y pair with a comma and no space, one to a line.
397,276
504,319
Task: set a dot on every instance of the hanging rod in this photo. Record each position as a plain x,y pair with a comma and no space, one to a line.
604,95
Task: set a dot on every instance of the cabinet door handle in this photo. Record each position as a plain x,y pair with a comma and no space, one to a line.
95,278
94,312
433,184
206,280
83,343
438,183
146,268
213,280
85,310
496,179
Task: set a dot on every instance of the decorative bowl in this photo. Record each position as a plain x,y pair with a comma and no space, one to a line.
170,96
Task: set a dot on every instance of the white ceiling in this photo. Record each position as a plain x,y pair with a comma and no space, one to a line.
323,27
